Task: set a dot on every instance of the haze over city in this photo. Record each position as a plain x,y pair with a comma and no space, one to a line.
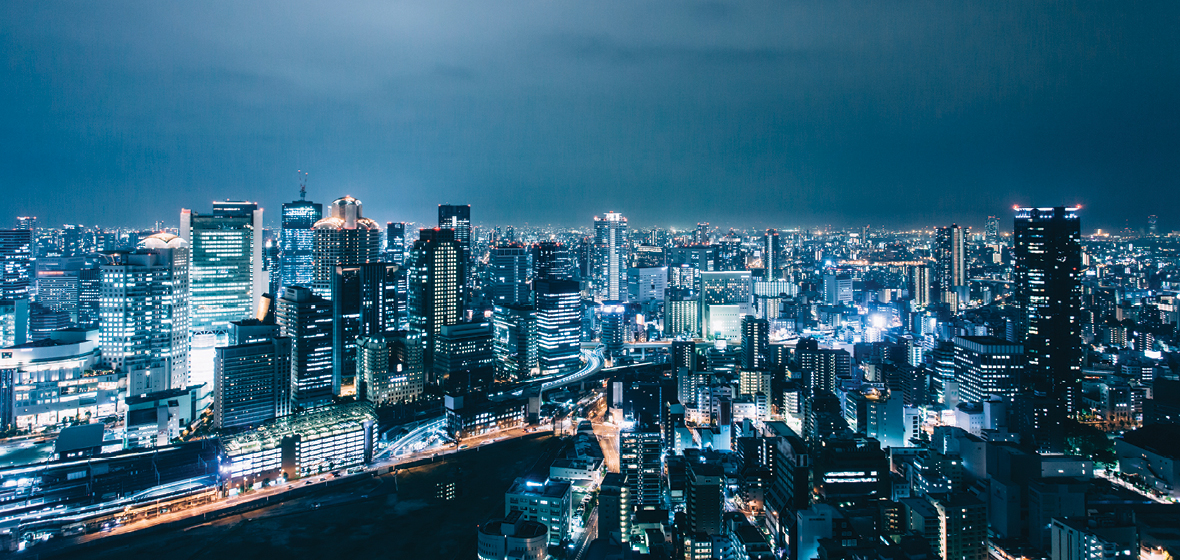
768,114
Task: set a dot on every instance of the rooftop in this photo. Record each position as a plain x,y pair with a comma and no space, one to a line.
312,424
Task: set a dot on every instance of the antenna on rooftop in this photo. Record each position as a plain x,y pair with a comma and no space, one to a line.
302,184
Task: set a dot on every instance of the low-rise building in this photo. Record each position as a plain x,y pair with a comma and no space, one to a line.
513,538
302,444
56,380
548,502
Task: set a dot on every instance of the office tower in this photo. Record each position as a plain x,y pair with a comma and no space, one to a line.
359,310
701,235
962,526
950,261
822,367
144,326
730,255
1152,225
837,289
681,312
609,256
509,267
772,251
682,354
639,461
395,243
559,326
876,413
58,281
252,383
755,342
272,265
436,271
851,469
1047,252
552,261
991,230
90,294
457,218
14,322
646,284
701,258
514,342
306,319
704,498
987,366
73,242
613,318
614,508
344,238
297,240
648,256
225,274
463,357
44,321
919,285
725,298
390,366
16,258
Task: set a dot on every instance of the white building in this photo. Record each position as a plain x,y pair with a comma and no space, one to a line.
548,502
513,538
54,380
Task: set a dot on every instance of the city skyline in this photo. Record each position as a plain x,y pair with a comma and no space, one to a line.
765,114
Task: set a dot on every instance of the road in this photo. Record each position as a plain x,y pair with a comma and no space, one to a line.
608,436
589,534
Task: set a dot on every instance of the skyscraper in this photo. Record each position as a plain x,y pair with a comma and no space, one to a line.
514,341
1048,262
457,217
552,261
16,258
297,240
610,256
640,461
919,285
395,253
991,230
559,326
144,326
725,297
395,243
306,319
359,310
755,342
436,272
509,266
950,252
344,238
252,383
225,275
772,251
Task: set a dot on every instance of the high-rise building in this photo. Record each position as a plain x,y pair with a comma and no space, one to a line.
514,342
457,218
58,280
822,367
755,342
552,261
14,322
640,461
436,272
395,243
950,252
772,251
144,326
344,238
837,289
16,258
509,267
701,235
297,241
610,256
306,319
225,275
463,357
991,230
725,298
987,366
704,498
252,383
559,326
919,285
359,310
390,367
614,508
1048,262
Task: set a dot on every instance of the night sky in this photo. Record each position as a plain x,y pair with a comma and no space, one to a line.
768,114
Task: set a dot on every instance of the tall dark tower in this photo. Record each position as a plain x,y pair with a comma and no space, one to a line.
436,270
950,251
772,249
1048,255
